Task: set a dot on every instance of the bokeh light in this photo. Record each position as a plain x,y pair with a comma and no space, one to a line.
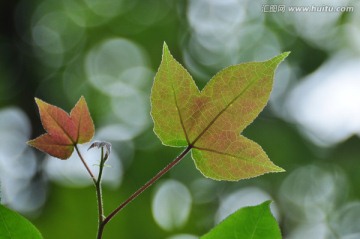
329,113
171,205
245,197
183,236
118,78
215,22
21,187
73,173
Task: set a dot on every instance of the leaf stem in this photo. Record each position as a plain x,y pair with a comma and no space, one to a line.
102,162
97,184
99,194
85,164
142,189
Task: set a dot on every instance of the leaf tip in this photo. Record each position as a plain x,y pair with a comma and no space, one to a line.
267,202
279,58
277,169
30,143
165,46
38,101
82,119
81,101
165,49
285,54
282,56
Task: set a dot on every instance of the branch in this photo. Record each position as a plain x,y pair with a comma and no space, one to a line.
142,189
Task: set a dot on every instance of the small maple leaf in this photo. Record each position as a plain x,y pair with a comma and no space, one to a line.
64,131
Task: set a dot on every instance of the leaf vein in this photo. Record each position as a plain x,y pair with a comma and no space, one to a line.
62,128
176,103
257,222
223,110
227,154
5,224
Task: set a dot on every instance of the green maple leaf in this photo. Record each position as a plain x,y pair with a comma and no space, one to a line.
210,121
254,222
64,130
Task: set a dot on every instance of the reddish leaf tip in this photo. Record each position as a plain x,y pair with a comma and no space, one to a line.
30,142
38,101
81,117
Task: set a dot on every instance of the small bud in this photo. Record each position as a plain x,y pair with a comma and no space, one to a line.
104,145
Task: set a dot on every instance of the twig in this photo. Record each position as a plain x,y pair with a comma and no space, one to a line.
85,164
142,189
99,194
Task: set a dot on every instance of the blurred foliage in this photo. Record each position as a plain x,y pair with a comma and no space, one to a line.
248,222
59,50
15,226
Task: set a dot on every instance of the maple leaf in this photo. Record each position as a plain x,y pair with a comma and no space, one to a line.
210,121
64,131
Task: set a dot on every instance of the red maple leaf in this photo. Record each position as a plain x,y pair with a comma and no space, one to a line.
64,131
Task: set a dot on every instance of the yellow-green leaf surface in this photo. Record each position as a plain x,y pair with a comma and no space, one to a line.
15,226
210,121
254,222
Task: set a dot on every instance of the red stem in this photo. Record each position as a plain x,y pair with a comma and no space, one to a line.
142,189
85,164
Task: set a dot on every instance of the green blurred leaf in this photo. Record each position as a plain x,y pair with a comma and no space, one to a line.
210,121
14,226
254,222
